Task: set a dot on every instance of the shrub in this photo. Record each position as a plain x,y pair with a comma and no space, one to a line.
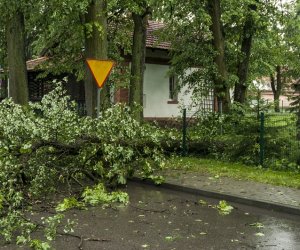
236,136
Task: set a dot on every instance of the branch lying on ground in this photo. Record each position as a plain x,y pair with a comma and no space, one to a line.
82,239
149,210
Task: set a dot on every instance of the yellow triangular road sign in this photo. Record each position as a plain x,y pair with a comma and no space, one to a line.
100,70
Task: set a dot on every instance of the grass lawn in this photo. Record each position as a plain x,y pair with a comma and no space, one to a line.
235,170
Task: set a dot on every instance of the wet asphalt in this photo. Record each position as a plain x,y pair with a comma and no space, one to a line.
157,218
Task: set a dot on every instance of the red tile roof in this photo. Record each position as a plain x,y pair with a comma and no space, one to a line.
152,40
32,64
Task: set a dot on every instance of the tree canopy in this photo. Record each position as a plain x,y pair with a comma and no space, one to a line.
227,43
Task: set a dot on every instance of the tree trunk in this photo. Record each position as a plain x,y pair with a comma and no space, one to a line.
277,88
138,62
240,90
18,80
96,47
220,78
3,86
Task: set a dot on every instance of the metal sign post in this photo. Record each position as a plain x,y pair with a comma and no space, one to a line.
98,101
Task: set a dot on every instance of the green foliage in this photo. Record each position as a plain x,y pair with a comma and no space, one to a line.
236,136
189,23
286,165
52,223
158,180
224,208
233,136
257,225
274,28
14,221
47,145
99,195
1,201
57,28
39,245
69,203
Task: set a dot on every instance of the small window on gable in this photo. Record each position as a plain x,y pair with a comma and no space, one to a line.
173,90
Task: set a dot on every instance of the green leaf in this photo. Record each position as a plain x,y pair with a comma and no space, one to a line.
257,225
69,203
224,208
259,234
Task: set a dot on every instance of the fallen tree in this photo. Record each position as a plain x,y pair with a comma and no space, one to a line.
47,145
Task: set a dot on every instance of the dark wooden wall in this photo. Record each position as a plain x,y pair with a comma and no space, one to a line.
38,87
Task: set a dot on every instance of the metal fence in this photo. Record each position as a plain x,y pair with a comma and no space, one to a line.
279,138
258,138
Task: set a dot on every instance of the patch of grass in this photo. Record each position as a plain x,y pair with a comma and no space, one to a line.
235,170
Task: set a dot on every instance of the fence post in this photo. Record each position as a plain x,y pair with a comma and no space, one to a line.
184,133
221,114
262,139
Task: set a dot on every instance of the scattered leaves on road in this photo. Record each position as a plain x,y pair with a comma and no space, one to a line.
257,225
202,202
224,208
259,234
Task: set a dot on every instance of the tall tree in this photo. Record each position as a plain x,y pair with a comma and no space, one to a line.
15,40
138,57
96,47
220,78
77,31
276,51
243,62
234,29
277,86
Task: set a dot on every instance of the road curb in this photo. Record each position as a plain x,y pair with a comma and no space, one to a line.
228,197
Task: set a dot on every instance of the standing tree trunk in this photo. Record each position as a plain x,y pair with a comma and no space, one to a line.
240,90
138,62
277,87
220,78
18,80
95,47
296,108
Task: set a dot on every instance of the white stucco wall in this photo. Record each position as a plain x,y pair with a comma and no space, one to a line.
156,94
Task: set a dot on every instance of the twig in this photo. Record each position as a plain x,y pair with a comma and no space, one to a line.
80,243
77,181
149,210
82,239
96,239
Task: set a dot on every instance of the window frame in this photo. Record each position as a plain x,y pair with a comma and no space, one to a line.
173,89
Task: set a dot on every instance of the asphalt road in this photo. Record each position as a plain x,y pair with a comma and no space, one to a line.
164,219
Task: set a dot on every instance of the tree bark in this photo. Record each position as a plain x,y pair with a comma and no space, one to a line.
277,88
240,90
138,62
220,78
3,88
96,47
18,79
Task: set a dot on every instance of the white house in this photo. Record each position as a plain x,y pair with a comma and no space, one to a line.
161,98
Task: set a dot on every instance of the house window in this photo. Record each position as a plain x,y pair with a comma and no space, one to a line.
173,90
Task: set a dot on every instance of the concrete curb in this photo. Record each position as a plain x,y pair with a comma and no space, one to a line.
289,209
